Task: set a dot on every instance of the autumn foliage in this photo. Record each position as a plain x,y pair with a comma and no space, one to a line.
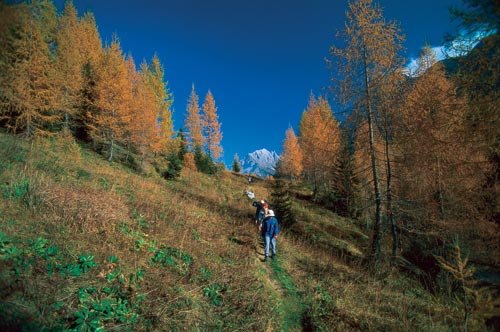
194,123
203,127
319,142
68,80
291,158
418,150
28,81
212,127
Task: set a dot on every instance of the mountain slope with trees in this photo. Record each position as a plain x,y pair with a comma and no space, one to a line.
111,220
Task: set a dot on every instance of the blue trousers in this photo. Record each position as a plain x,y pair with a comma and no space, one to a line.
270,242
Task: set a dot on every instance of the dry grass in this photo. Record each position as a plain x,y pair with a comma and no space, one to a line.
85,210
83,204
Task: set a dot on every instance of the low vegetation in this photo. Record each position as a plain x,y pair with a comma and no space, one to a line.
86,244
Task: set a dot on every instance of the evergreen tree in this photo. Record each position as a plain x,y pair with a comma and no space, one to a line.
203,162
282,203
174,167
344,187
236,167
183,145
45,12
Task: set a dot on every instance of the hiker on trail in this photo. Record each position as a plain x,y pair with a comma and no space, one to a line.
250,194
249,180
259,211
270,231
265,206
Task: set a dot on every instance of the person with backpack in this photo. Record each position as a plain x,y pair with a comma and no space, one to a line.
259,211
270,231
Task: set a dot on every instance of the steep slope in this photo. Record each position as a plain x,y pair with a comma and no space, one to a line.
85,244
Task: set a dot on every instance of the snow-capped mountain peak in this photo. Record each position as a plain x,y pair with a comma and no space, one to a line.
260,162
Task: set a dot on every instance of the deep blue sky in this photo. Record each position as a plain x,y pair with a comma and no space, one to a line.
260,58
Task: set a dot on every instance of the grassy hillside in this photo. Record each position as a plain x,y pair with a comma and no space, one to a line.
86,244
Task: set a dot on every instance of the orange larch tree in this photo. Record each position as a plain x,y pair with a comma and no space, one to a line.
89,39
441,168
194,125
113,97
368,57
70,60
363,167
212,126
320,141
91,44
27,75
291,158
189,161
163,102
143,126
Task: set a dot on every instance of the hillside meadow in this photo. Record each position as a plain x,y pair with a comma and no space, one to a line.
89,245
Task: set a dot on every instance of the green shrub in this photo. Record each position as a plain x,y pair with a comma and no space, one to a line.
282,203
214,293
205,274
16,190
174,167
83,174
106,306
172,257
11,151
83,265
204,163
23,190
320,309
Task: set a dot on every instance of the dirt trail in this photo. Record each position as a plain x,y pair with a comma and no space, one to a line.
290,308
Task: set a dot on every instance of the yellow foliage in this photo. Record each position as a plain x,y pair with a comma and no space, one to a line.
291,159
212,127
319,140
28,87
193,123
189,161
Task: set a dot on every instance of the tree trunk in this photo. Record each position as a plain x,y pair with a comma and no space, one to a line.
28,126
66,120
315,183
111,148
440,189
128,152
112,139
375,246
66,115
390,216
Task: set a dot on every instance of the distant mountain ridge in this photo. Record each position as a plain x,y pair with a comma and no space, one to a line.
260,162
